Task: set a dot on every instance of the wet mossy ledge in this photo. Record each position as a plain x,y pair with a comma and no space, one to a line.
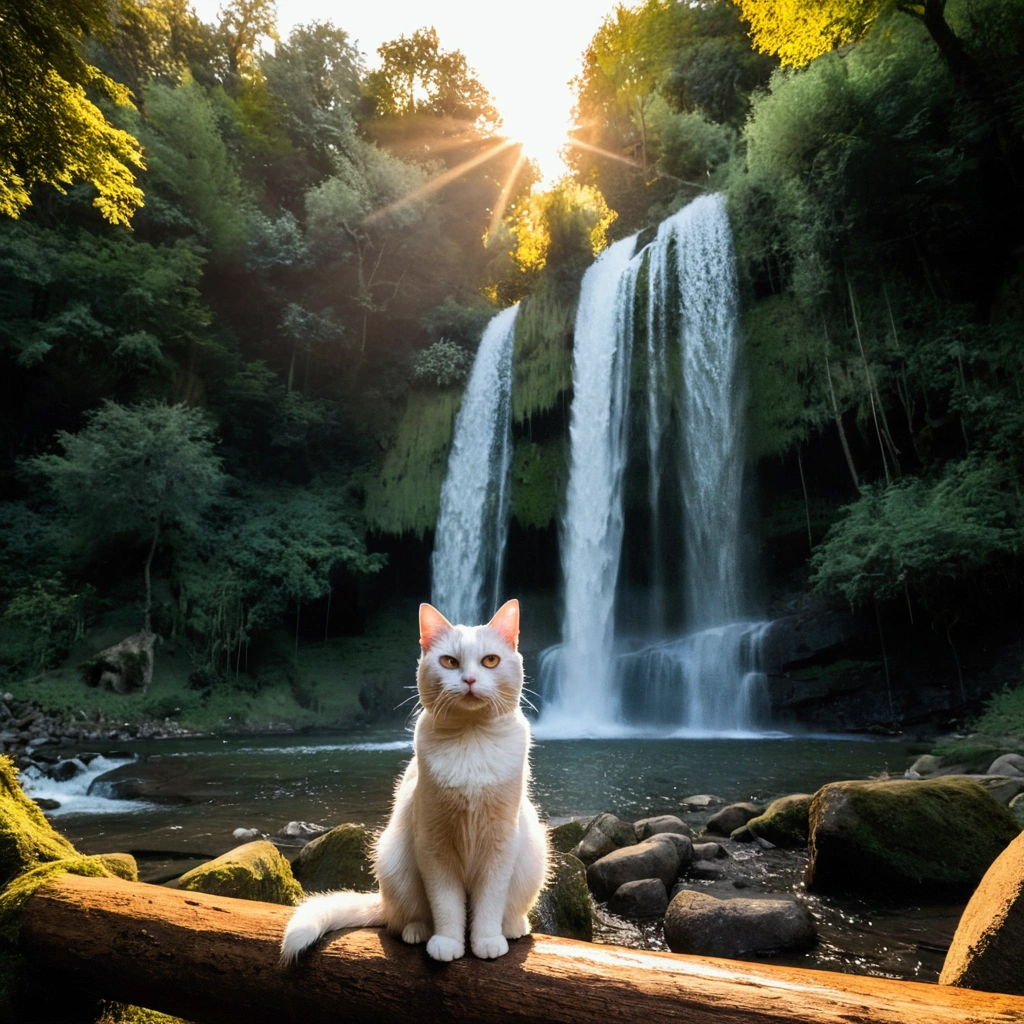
542,353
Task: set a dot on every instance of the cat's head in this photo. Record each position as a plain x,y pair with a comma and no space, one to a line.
470,670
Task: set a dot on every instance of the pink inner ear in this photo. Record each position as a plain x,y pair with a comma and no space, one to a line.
432,625
506,622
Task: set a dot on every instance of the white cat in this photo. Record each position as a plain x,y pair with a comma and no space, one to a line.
462,824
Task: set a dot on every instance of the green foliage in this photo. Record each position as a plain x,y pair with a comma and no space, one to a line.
52,615
460,323
444,365
921,534
53,133
539,477
542,353
1003,716
406,495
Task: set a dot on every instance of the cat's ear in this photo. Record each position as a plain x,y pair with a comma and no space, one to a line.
432,624
506,623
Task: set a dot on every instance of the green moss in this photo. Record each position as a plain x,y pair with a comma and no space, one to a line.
565,837
406,495
542,354
255,871
785,821
938,833
565,907
339,859
120,1013
539,476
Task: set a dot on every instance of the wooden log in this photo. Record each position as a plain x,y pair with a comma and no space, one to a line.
215,961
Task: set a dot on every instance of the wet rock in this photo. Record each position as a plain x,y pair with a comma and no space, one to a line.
785,821
700,924
566,836
936,833
564,907
730,818
338,859
651,859
987,951
700,802
255,871
302,830
127,782
46,804
245,835
64,771
646,897
743,834
707,870
708,851
647,827
795,638
1003,787
1007,764
682,844
604,834
126,667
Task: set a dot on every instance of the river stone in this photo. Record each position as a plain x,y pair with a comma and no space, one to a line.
255,871
706,870
1007,764
730,818
564,907
646,897
339,859
700,802
604,834
708,851
647,827
564,837
66,770
651,859
987,951
683,845
926,764
704,925
784,822
1003,787
935,833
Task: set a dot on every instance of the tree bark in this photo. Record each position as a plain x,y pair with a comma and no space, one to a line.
149,584
215,961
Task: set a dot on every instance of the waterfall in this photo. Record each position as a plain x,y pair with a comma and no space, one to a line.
472,526
707,680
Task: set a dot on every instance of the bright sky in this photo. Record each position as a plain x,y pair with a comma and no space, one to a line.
524,54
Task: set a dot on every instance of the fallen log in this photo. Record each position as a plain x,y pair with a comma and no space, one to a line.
215,961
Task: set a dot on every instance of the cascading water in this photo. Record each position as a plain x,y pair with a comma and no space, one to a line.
708,680
472,525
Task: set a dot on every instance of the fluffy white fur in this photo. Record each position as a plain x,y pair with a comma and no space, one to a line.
462,827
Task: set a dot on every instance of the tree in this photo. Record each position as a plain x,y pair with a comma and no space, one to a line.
51,133
136,470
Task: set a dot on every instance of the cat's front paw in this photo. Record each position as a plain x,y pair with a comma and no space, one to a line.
416,932
490,947
516,928
440,947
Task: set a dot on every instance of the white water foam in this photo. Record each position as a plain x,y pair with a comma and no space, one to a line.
73,795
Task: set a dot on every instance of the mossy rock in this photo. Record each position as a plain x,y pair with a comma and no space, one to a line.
339,859
565,837
120,864
785,821
565,907
121,1013
1017,808
255,871
937,834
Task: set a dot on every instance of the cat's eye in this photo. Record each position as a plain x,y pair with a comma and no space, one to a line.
489,660
447,661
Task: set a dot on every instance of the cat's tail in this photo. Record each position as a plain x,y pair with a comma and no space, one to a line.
321,914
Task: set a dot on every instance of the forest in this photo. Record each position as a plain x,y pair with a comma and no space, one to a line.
243,277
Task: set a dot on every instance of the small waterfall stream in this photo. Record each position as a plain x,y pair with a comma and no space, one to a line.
707,681
472,525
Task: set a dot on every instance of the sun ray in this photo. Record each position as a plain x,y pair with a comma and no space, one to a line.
428,188
506,191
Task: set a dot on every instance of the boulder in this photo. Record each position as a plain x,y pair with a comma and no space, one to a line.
245,835
303,830
121,865
646,897
133,782
926,764
255,871
604,834
706,870
682,844
565,907
935,833
784,822
652,859
1007,764
987,951
730,818
704,925
45,804
64,771
126,667
700,802
1003,787
339,859
647,827
565,837
708,851
1016,808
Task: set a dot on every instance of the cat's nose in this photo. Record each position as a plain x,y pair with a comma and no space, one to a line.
469,680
